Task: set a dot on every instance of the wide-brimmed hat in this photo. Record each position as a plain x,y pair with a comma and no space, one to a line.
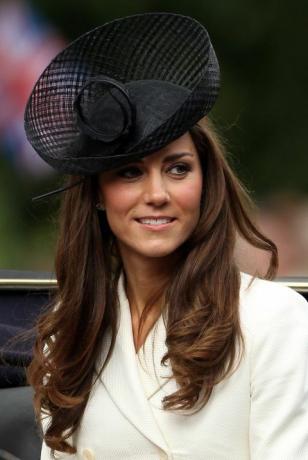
121,91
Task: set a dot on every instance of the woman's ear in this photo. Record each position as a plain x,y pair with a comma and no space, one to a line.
100,206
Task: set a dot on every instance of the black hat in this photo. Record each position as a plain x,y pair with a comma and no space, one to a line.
121,91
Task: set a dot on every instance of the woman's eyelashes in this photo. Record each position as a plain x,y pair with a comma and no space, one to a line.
180,169
132,172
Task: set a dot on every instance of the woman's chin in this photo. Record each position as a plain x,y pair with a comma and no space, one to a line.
153,252
157,253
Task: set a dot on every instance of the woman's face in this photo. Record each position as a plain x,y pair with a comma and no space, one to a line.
153,205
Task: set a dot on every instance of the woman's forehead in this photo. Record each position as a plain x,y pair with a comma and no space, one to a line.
183,144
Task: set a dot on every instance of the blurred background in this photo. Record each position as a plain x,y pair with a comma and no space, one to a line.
261,113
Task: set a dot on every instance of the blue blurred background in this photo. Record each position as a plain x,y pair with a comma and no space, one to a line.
261,113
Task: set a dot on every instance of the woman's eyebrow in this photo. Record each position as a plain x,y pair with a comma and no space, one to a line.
176,156
171,157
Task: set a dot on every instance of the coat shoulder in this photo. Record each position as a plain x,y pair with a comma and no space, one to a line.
264,301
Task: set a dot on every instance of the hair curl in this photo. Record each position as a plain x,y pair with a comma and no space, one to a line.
204,337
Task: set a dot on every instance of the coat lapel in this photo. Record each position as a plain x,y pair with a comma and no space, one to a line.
121,377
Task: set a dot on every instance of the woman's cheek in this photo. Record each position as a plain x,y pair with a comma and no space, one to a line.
120,198
190,198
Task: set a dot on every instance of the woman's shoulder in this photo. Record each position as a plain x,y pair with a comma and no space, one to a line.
263,301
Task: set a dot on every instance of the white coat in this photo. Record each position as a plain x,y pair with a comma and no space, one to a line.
259,413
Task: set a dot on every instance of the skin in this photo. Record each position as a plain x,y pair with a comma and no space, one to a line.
157,185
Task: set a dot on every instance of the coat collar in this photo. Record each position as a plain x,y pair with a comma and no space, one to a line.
121,376
122,380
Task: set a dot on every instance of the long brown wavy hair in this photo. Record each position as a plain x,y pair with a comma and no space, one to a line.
204,337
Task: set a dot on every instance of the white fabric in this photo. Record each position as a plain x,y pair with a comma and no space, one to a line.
259,413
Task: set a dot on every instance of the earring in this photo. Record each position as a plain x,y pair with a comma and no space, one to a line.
100,207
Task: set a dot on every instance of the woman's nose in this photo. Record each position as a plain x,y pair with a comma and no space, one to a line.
155,190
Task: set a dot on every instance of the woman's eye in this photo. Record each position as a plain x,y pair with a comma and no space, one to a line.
180,169
130,172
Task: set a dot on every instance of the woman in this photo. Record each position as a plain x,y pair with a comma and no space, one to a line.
156,346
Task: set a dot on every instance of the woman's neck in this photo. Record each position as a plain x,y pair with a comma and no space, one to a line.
144,277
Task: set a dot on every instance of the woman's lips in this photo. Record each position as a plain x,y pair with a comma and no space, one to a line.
156,224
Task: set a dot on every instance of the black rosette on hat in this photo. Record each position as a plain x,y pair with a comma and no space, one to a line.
104,110
122,91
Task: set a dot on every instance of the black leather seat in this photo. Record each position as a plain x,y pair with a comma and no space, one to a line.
18,431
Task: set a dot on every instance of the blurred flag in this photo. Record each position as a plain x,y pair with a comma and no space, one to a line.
27,44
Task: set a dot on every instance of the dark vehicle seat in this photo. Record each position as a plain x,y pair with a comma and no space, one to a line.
18,431
23,295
